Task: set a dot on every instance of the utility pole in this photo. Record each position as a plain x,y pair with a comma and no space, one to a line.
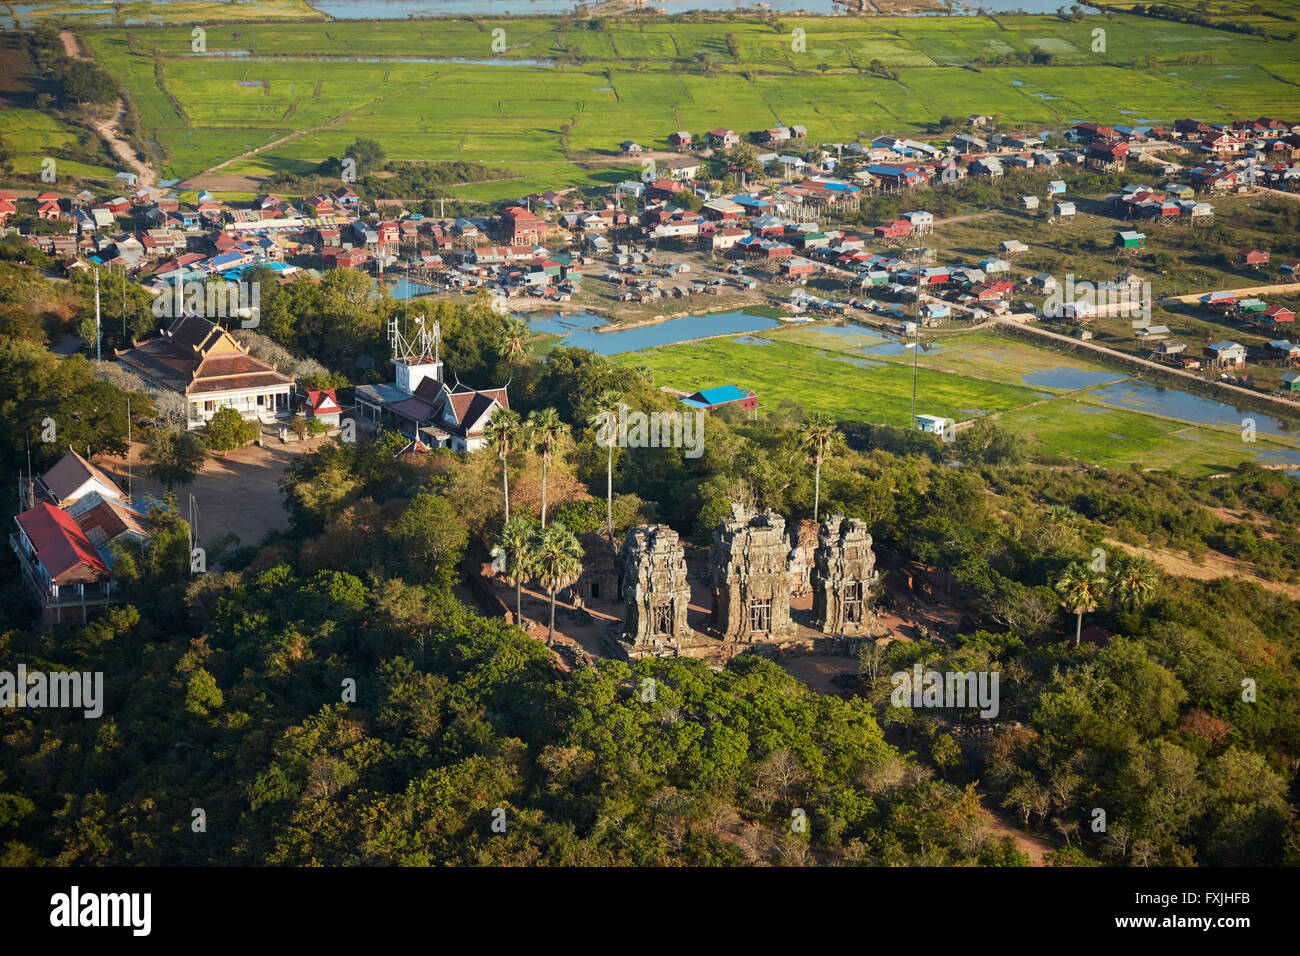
916,345
128,448
97,335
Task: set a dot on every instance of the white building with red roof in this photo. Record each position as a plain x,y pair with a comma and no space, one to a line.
202,361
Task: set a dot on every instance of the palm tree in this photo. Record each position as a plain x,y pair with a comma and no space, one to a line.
556,563
819,440
514,549
513,345
544,431
605,418
1080,591
503,430
1133,581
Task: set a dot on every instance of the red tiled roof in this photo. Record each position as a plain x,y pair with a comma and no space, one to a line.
322,400
61,547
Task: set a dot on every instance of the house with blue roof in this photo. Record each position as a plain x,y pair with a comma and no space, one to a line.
711,399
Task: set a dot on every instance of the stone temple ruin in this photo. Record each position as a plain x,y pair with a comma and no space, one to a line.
749,574
753,572
843,572
656,592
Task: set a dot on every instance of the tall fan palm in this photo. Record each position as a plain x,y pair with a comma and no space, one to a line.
513,344
556,562
544,431
604,420
1133,582
503,430
1080,590
514,551
819,439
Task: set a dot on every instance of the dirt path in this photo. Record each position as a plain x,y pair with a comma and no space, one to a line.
145,174
1216,565
287,138
1028,843
1285,288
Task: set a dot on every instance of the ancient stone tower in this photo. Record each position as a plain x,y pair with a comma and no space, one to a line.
843,566
749,574
655,590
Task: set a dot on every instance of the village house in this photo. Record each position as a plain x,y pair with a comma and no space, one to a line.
72,516
724,138
721,396
1232,354
323,406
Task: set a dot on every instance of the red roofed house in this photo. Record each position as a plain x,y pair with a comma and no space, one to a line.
1252,257
1278,315
1107,155
61,567
522,227
322,406
892,230
74,514
1220,143
201,361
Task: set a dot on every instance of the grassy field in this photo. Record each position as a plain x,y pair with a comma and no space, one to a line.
149,11
553,104
825,369
848,386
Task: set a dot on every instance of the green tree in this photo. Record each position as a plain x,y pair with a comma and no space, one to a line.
1133,582
368,154
544,433
174,457
514,550
556,563
430,538
503,430
513,346
1080,591
228,430
605,420
819,440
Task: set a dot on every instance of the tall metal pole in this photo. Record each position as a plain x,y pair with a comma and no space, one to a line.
97,335
916,345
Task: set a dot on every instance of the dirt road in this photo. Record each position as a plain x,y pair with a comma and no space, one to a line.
145,174
1287,404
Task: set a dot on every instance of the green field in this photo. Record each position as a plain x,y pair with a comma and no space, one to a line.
155,11
845,385
824,370
552,101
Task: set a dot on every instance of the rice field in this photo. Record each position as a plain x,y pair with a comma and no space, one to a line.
546,98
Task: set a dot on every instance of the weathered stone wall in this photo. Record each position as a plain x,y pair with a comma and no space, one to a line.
600,578
843,568
655,591
749,575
